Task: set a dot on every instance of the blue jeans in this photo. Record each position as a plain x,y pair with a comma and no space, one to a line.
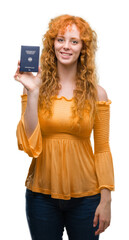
48,216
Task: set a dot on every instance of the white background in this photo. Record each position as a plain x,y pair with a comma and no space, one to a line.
24,23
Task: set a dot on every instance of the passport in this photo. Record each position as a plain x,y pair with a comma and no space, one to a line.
29,60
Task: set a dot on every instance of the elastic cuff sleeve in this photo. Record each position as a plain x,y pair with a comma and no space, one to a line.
32,145
104,170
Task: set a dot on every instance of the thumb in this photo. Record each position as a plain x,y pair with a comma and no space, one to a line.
39,71
95,221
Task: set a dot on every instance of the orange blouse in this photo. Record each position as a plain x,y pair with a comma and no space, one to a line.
63,163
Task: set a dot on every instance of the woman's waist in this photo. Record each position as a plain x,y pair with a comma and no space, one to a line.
65,136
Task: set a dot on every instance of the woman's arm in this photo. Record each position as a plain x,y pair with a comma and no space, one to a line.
28,131
32,84
31,116
31,112
105,195
103,165
103,212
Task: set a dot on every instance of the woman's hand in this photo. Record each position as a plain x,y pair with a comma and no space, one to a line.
103,214
30,82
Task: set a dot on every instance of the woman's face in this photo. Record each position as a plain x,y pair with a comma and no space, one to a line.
68,46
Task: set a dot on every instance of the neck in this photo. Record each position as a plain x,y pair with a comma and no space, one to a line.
67,74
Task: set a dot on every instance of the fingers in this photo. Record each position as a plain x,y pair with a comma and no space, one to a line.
17,73
39,69
106,225
16,77
18,67
39,72
102,226
95,221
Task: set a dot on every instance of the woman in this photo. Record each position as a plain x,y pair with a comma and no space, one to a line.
67,185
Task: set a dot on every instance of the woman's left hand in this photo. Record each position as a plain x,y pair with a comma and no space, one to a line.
103,214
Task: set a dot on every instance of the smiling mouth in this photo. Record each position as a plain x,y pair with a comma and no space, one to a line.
66,54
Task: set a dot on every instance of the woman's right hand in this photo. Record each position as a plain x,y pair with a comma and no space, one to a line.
30,82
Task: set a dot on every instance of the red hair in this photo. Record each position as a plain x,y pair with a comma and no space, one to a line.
86,79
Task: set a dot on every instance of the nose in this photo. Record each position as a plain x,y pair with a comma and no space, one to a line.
66,45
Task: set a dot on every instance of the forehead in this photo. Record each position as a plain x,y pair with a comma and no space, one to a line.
70,30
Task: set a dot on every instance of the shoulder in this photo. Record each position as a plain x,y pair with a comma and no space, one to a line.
102,94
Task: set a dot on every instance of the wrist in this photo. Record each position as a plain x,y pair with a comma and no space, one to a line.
105,195
34,93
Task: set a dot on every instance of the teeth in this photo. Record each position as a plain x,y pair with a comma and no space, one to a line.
65,54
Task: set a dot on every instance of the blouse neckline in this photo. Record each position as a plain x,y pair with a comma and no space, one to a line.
62,97
100,102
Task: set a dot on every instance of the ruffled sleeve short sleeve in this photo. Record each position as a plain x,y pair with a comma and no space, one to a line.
32,145
102,154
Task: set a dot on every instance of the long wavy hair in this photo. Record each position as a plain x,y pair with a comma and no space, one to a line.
85,94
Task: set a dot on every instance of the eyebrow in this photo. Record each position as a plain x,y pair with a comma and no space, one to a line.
71,38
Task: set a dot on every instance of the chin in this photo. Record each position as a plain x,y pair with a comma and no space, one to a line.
66,62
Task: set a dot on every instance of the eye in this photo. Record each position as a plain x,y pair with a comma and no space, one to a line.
75,42
60,40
